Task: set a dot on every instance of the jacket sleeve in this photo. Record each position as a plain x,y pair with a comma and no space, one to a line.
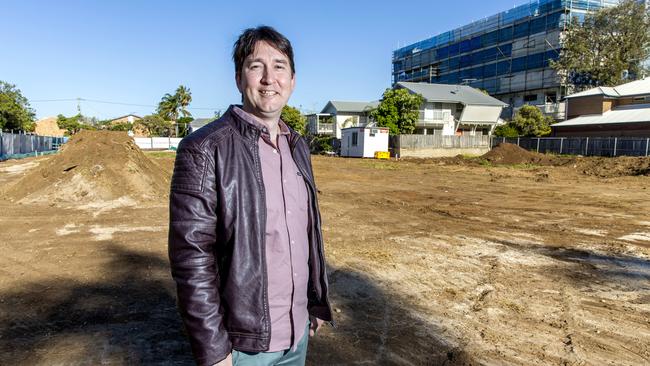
192,237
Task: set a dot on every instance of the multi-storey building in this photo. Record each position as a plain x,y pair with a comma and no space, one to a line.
507,54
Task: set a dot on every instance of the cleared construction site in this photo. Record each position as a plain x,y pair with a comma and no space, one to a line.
510,258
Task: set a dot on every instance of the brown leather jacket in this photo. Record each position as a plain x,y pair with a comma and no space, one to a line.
216,239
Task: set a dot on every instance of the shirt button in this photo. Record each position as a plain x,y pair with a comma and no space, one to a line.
275,151
289,212
293,242
295,275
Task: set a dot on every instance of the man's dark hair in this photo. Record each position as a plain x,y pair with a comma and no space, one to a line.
245,45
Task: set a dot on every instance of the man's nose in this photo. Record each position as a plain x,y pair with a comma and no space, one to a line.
268,76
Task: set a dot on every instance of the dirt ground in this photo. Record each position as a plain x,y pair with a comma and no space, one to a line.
431,262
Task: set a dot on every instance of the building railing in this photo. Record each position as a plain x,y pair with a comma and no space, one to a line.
587,146
326,128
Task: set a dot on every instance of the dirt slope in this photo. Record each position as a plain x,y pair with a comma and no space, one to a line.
93,168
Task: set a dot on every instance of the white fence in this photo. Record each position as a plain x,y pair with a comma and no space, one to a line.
157,143
439,141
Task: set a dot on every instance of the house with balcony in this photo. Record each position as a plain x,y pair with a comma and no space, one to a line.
454,109
622,110
337,115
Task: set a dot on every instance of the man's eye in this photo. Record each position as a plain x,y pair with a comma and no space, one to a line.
254,67
280,67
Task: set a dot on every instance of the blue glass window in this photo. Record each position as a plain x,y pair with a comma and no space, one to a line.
452,78
505,34
490,70
521,30
505,50
490,85
453,49
465,74
476,43
538,25
454,63
477,72
465,60
553,21
550,55
490,54
536,60
503,68
442,52
519,64
465,46
490,39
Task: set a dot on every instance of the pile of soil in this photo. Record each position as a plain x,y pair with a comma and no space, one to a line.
96,168
614,167
509,154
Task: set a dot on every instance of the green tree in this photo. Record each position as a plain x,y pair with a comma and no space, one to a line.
71,125
172,106
398,110
184,97
124,126
184,125
294,119
155,125
529,121
15,112
607,48
506,130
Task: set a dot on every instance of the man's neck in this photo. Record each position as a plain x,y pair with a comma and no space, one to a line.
272,123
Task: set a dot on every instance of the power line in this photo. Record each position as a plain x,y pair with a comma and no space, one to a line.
115,103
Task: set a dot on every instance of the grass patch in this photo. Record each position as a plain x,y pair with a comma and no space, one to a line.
160,154
524,166
384,165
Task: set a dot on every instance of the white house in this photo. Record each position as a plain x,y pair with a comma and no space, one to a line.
337,115
363,142
454,109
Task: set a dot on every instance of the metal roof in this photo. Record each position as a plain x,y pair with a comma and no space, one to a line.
637,87
358,107
623,114
451,93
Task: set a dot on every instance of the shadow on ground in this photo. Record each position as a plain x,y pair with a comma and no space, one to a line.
627,272
129,318
375,328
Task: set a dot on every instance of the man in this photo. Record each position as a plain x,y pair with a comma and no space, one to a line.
245,241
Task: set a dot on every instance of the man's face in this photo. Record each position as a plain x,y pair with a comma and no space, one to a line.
266,82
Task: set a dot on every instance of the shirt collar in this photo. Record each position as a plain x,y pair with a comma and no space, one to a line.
283,129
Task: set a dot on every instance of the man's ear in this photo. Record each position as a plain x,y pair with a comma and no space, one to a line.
237,80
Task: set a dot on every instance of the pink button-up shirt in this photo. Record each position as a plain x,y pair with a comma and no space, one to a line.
287,246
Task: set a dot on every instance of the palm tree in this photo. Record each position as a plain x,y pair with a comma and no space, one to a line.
171,106
168,107
184,97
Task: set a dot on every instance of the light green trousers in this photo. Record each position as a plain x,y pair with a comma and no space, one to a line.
281,358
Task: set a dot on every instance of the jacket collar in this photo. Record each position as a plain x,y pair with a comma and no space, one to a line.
253,131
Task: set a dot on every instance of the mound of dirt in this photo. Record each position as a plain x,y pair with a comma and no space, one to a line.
508,154
96,170
614,167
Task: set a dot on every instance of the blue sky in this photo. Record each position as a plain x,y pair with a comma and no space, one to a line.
136,51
